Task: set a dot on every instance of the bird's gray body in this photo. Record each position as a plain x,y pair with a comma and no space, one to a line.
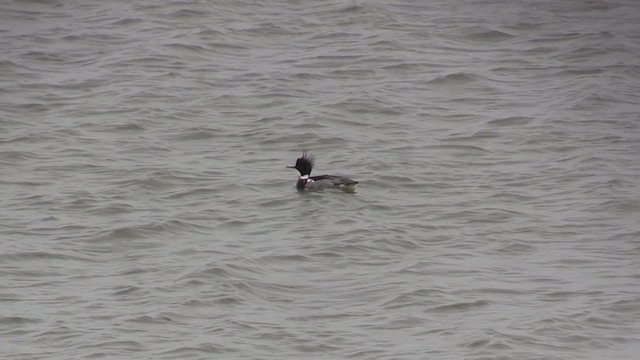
319,183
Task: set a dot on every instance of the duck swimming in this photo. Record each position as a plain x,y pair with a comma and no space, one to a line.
304,165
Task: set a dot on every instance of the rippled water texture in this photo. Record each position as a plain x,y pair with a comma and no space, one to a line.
145,211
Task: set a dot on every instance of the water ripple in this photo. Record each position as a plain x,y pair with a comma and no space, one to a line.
145,210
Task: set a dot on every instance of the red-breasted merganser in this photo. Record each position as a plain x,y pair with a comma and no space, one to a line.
304,165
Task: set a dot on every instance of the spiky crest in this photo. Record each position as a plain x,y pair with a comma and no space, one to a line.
305,163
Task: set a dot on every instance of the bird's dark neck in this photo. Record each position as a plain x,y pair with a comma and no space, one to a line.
302,181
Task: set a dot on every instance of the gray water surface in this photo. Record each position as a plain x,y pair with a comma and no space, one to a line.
145,211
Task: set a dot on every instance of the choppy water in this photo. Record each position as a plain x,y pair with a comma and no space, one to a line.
145,211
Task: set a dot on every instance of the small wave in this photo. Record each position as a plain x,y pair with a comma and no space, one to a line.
350,122
330,35
127,22
199,193
212,271
352,72
284,258
460,306
490,36
17,155
104,349
326,254
188,13
128,127
268,29
348,7
305,76
454,79
405,66
370,107
198,133
156,180
416,297
17,320
466,149
352,7
322,348
494,216
40,255
156,319
510,121
518,248
217,45
395,179
479,135
488,344
577,72
124,233
624,306
187,352
126,290
209,32
44,56
180,46
235,224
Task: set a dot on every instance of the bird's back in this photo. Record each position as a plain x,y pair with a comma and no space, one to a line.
321,182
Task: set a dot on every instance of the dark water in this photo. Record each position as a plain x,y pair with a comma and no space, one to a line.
145,211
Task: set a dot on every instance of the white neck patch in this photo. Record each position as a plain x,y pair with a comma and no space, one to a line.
304,177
